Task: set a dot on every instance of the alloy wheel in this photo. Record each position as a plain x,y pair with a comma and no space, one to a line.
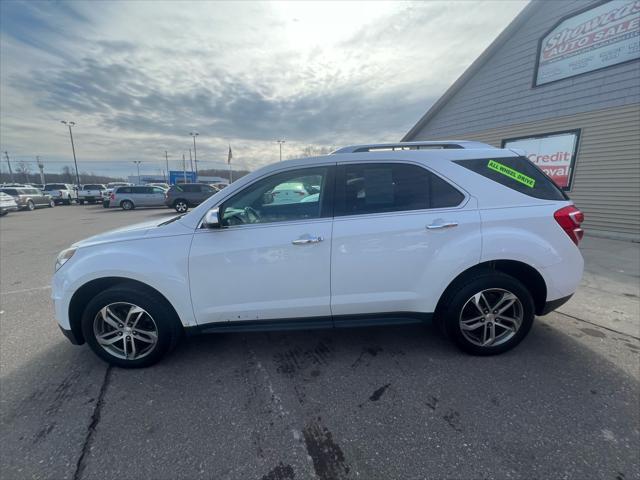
125,331
30,205
181,207
491,317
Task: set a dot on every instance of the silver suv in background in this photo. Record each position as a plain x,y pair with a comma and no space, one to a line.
29,198
62,193
131,197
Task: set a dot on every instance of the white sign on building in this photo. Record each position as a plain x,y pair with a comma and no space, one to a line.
599,37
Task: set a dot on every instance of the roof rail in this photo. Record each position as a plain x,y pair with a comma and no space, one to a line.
412,146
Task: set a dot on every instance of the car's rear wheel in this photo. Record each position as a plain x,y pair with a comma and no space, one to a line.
130,327
489,314
127,205
181,206
52,204
30,205
67,201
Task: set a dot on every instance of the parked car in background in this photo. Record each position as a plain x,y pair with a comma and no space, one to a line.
166,186
29,198
186,195
91,193
475,238
106,194
62,193
7,204
135,196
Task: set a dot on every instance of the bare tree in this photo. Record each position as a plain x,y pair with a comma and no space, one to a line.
23,168
67,175
312,151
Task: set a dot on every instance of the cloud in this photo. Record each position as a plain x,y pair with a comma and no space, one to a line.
137,77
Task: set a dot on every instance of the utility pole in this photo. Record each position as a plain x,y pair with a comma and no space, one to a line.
166,157
73,148
280,142
138,162
195,152
41,167
184,169
9,163
190,160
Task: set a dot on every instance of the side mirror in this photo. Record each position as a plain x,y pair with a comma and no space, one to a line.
212,219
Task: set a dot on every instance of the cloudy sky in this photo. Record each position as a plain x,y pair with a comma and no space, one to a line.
137,77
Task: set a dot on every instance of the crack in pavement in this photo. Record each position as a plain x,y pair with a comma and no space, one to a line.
95,419
599,326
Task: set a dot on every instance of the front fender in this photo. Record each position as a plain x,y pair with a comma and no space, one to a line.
152,261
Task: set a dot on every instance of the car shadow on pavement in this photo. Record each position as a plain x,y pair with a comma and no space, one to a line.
378,403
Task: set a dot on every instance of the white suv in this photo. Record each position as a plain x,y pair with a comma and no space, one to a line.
476,238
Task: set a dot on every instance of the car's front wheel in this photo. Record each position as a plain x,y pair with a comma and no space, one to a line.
130,327
488,314
181,206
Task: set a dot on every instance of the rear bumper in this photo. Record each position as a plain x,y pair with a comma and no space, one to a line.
552,305
10,208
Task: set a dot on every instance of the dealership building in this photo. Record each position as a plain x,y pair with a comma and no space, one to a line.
562,83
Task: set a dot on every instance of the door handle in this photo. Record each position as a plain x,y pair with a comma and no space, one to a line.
437,226
307,239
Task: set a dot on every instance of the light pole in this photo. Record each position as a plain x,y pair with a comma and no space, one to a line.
9,164
280,142
41,168
73,148
138,162
195,153
166,157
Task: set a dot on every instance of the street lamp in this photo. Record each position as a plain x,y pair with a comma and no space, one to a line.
195,153
73,148
138,162
280,142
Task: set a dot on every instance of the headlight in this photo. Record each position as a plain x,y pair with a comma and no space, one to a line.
63,256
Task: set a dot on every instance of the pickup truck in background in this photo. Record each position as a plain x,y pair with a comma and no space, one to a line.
61,193
91,193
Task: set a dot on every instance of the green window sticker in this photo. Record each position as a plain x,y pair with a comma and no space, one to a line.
511,173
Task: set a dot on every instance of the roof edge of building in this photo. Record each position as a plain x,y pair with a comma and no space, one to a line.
500,40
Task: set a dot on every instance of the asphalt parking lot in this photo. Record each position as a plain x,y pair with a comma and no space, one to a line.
372,403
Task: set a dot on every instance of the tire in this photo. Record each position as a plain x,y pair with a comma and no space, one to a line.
52,204
67,201
127,205
31,206
469,325
156,316
2,214
181,206
81,202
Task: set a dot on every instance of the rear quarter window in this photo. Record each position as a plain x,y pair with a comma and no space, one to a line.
516,173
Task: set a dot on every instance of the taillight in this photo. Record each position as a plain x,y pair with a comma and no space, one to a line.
570,219
112,196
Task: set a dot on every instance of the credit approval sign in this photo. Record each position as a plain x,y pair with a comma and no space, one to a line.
553,153
598,37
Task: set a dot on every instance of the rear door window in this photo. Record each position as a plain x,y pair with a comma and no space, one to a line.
517,173
391,187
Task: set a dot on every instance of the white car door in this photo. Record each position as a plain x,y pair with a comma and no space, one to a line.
269,260
400,232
